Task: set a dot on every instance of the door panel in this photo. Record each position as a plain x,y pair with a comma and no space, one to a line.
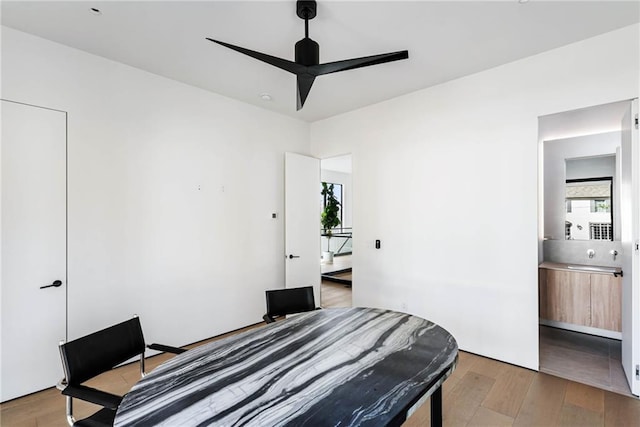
302,222
33,247
630,189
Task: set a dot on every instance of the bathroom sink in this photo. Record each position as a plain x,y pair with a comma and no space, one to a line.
593,268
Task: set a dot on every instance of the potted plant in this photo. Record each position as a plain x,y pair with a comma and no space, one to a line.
329,218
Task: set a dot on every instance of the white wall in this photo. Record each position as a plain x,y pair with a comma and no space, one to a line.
555,176
422,161
592,167
171,191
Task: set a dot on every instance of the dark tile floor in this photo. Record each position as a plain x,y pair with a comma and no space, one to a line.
583,358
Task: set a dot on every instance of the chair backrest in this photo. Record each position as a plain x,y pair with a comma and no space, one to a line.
281,302
93,354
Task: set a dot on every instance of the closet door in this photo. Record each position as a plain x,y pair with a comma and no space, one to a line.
302,219
33,250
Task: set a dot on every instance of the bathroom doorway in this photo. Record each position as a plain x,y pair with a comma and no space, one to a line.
588,263
336,243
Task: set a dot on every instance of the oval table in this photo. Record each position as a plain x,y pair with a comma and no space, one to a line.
347,367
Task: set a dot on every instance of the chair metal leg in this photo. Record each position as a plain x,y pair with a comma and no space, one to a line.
142,371
70,419
436,408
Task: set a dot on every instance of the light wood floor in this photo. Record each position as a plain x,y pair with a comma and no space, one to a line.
485,392
480,392
334,295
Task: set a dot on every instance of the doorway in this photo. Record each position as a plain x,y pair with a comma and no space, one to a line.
336,248
586,249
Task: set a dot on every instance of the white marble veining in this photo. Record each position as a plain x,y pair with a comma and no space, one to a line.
355,366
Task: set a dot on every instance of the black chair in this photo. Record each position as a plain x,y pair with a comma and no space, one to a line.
281,302
87,357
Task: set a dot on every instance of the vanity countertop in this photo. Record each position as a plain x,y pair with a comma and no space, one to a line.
581,268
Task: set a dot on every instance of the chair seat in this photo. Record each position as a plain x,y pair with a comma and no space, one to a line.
91,355
102,418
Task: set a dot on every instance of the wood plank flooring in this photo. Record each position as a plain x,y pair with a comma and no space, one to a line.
480,392
485,392
335,295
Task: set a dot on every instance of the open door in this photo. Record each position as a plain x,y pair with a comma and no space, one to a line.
630,240
302,222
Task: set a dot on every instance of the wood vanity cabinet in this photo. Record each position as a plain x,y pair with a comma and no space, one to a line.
606,302
567,297
586,299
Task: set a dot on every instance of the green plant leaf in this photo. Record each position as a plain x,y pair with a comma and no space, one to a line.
329,216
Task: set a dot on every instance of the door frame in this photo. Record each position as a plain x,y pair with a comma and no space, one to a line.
348,191
634,275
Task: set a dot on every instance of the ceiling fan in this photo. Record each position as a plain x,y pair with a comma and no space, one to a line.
307,64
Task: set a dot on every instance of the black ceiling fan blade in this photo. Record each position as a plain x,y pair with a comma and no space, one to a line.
283,64
350,64
303,87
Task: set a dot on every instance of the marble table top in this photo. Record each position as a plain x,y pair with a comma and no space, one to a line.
347,367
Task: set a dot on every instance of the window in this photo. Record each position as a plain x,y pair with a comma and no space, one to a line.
600,231
589,209
601,205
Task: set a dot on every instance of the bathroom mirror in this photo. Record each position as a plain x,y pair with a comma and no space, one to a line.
589,209
581,175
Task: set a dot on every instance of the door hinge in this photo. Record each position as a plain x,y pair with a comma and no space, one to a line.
636,121
638,372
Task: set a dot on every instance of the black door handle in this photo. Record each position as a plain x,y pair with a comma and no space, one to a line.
55,284
293,256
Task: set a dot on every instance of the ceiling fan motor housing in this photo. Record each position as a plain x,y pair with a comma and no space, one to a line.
307,52
306,9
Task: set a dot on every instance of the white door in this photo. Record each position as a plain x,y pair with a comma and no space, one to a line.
33,250
302,222
630,188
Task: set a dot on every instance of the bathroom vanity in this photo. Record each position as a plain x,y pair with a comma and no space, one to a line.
583,298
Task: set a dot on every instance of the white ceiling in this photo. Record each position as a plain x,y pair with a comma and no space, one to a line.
446,40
